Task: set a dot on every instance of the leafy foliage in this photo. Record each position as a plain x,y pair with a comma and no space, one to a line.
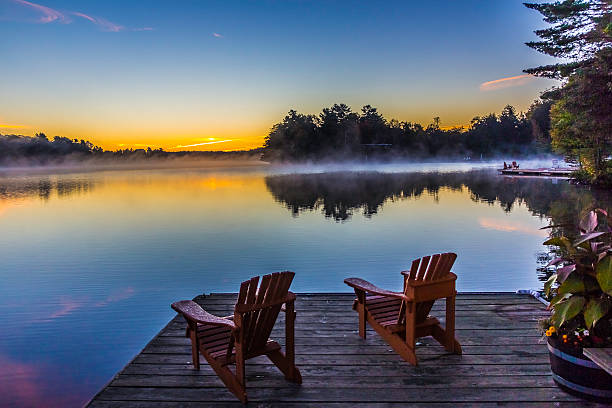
581,288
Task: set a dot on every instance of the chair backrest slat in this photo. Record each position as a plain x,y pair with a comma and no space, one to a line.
260,315
414,268
431,270
259,307
423,268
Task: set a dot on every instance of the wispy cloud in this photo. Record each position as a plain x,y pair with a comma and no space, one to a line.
48,15
506,82
202,144
217,35
85,16
104,24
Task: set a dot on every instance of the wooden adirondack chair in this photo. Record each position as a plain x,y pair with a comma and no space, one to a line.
234,339
401,318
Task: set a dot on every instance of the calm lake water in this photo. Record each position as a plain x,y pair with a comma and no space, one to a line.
90,262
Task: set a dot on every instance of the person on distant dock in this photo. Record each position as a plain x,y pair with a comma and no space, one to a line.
505,166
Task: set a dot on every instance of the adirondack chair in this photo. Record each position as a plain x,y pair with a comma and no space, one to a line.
235,339
402,317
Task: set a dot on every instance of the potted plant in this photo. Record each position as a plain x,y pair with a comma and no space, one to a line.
580,293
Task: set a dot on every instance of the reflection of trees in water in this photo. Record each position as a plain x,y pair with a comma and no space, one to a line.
44,187
339,195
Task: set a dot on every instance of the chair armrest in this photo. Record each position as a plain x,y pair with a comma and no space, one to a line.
363,285
194,312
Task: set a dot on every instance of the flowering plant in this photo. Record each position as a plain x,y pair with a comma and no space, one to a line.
581,287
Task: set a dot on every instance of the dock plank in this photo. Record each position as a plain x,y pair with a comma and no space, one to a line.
504,363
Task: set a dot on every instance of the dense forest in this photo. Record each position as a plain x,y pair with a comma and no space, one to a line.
338,132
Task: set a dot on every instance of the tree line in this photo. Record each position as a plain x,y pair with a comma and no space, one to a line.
338,132
42,150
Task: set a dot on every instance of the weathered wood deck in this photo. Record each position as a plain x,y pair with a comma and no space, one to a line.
504,363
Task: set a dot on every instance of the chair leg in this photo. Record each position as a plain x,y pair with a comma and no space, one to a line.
446,336
286,366
230,380
361,300
240,361
292,373
449,342
408,352
195,347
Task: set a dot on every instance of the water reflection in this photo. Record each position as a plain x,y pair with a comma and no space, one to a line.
44,187
90,262
339,195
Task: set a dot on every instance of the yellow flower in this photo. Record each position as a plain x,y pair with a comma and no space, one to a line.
548,333
564,336
552,329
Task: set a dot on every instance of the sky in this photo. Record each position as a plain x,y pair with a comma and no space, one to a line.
216,75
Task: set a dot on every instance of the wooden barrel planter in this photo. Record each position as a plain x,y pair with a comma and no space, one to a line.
578,375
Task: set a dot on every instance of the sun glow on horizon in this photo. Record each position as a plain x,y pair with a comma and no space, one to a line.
169,77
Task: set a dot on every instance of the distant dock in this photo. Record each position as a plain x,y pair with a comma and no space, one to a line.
504,362
544,172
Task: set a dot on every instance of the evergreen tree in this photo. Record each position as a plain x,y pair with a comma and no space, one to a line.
579,29
581,119
581,116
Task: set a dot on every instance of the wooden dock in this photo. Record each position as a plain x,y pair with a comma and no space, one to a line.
560,172
504,363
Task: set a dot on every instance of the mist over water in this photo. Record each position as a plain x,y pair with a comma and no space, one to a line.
407,166
92,260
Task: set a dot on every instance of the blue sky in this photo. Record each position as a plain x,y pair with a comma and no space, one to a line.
173,73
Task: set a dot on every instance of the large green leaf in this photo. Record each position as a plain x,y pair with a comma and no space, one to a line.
567,310
559,241
595,310
604,274
573,284
548,285
588,237
558,298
